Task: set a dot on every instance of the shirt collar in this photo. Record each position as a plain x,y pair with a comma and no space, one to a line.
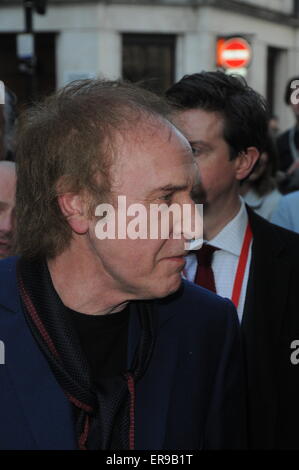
231,237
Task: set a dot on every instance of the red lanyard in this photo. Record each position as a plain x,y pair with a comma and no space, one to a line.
239,278
241,267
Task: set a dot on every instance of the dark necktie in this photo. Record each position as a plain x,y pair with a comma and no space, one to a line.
204,274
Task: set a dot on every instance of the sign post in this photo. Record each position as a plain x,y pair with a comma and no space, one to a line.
26,44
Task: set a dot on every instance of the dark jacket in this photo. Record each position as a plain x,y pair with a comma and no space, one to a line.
284,149
270,324
190,397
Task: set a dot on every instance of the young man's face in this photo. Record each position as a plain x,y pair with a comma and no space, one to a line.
204,131
154,166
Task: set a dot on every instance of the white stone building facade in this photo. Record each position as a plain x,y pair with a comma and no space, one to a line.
89,36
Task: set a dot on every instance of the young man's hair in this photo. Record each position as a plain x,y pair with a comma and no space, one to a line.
266,182
243,110
289,90
67,143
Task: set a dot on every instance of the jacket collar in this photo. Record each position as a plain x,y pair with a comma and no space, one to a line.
264,235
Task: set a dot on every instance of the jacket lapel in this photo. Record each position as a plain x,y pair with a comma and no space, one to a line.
265,305
153,391
267,287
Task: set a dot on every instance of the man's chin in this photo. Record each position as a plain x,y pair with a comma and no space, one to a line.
170,288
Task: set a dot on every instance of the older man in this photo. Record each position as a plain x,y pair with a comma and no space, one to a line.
7,207
105,347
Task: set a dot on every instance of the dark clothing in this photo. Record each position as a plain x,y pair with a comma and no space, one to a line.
270,324
286,158
104,341
191,395
103,410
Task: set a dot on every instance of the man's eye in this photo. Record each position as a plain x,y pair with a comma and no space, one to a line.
196,151
167,198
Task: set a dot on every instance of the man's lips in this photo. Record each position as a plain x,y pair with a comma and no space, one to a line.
176,258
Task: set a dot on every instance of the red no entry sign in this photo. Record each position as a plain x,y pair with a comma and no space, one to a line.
233,53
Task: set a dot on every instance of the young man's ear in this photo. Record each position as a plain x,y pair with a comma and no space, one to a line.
73,207
245,162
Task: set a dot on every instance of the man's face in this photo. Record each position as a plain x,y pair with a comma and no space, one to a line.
154,166
7,207
204,131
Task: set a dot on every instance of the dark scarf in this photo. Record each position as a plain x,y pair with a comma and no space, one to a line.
104,416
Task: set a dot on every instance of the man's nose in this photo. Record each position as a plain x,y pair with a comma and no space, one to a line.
190,224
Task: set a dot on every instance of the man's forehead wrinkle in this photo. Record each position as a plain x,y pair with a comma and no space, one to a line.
190,179
200,142
154,130
136,134
148,137
170,187
148,130
142,138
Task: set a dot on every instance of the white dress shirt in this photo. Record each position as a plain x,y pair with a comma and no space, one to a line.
226,258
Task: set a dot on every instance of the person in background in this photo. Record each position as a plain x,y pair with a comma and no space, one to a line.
287,212
274,126
7,207
288,141
260,190
244,257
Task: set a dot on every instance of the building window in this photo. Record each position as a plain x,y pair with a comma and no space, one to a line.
149,58
25,86
296,8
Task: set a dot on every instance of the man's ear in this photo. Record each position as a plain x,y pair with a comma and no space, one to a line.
73,207
245,162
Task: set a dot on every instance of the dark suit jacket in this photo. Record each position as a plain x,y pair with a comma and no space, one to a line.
190,397
284,151
270,324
